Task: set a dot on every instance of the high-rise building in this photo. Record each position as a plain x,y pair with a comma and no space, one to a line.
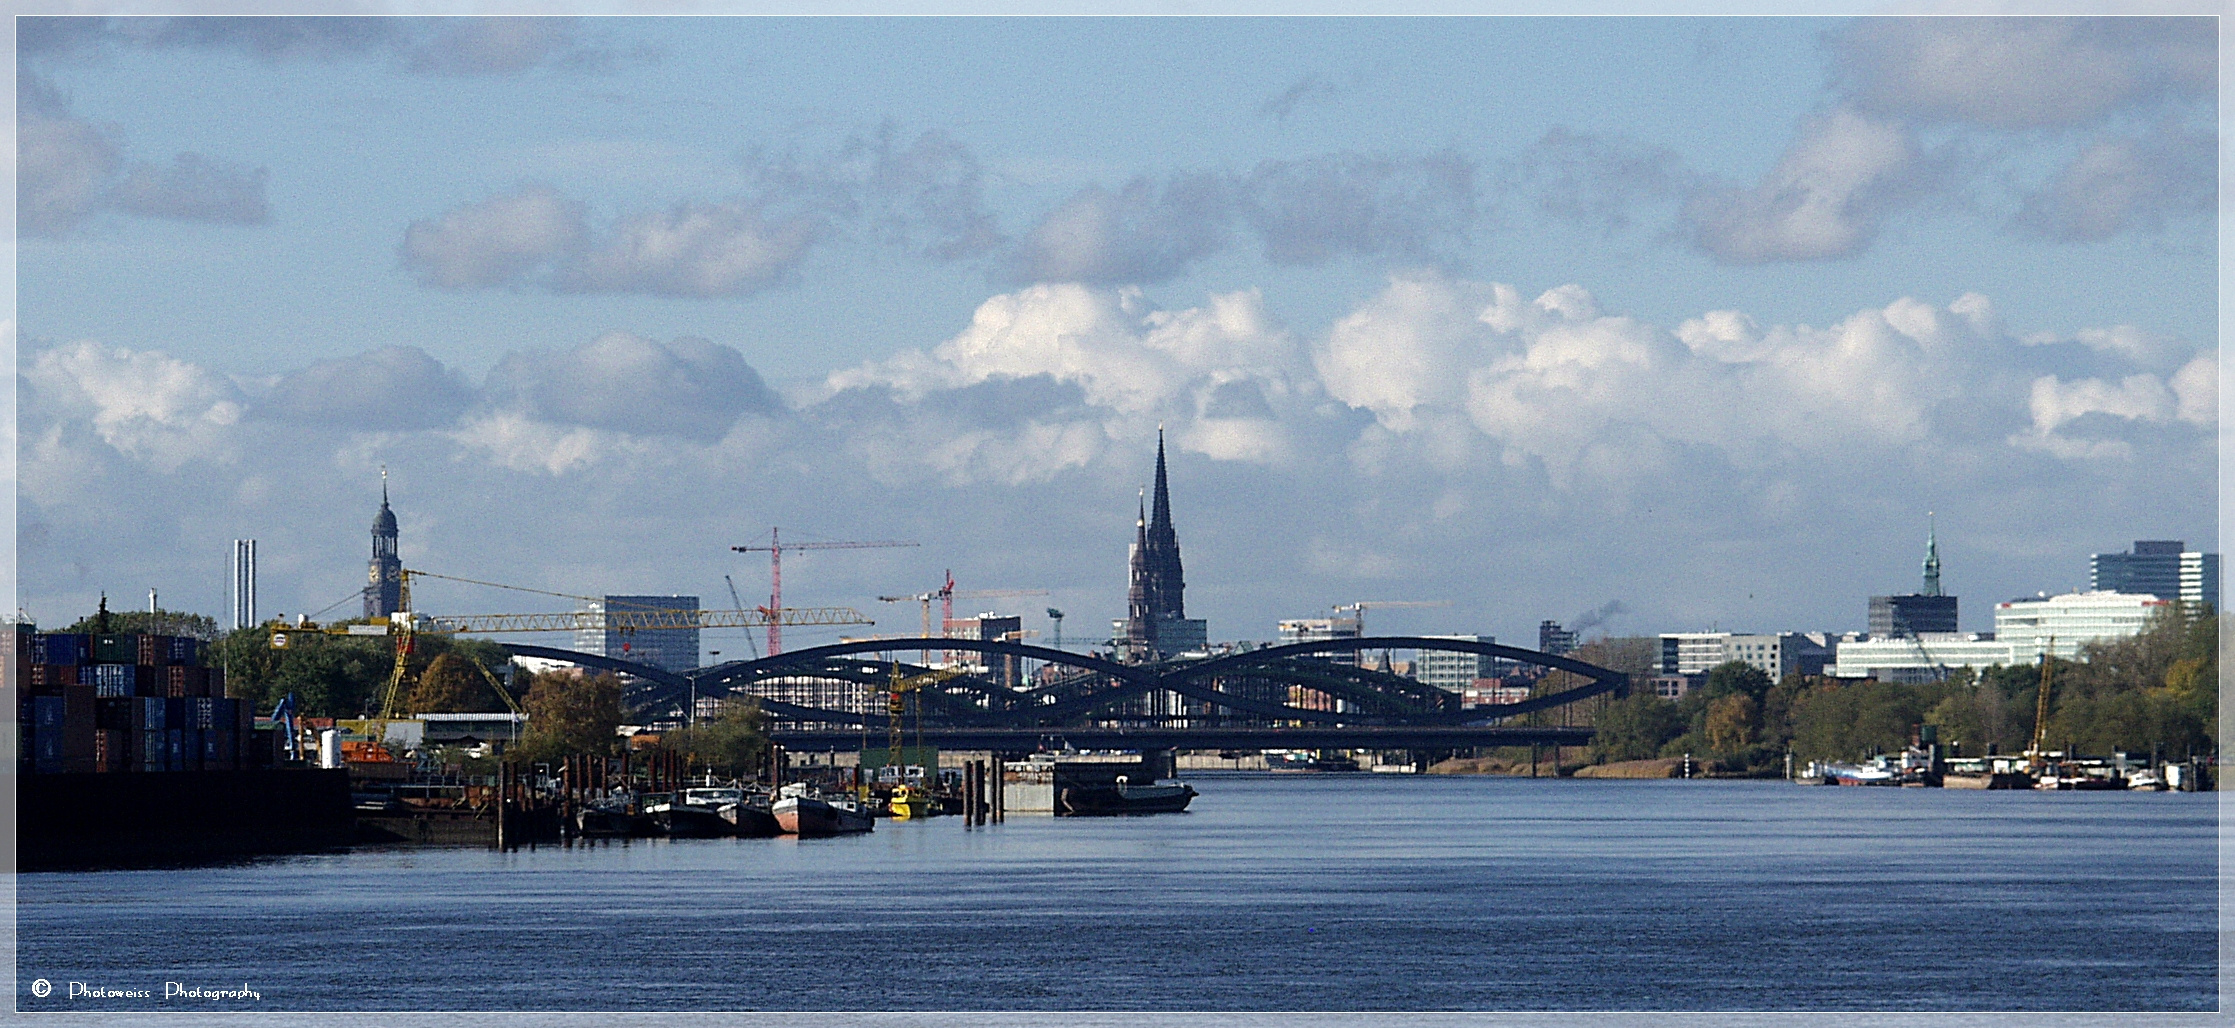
1926,610
2164,568
670,649
384,587
1156,623
1304,630
244,583
1553,639
1451,671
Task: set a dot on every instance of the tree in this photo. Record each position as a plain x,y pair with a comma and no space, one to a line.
732,741
1731,723
1635,727
453,684
141,622
569,713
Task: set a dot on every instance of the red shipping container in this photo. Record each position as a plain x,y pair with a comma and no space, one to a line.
186,682
155,650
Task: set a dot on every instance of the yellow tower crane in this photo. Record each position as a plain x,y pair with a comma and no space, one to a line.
404,626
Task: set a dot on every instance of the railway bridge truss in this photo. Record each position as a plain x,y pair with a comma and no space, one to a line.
1293,696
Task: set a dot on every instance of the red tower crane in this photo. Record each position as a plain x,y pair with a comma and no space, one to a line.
775,550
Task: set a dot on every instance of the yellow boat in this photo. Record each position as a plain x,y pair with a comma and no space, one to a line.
909,802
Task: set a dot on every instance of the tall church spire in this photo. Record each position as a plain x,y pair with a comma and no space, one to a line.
1161,527
1932,557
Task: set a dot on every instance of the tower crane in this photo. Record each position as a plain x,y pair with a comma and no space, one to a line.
946,595
403,627
775,550
2035,753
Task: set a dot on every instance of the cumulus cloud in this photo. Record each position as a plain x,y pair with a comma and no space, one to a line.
391,388
67,170
1144,232
499,241
1308,211
1826,198
534,235
626,383
1594,180
145,405
691,249
2021,73
2119,184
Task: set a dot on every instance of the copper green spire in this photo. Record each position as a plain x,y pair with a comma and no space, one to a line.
1932,557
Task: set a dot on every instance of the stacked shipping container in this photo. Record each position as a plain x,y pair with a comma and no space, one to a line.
119,703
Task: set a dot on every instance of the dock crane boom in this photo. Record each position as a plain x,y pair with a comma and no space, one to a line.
775,550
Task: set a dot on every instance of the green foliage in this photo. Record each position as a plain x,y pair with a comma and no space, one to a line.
334,675
569,714
140,622
731,742
1635,727
1843,720
452,684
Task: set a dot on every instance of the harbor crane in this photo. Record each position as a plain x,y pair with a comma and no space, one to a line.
2036,754
775,550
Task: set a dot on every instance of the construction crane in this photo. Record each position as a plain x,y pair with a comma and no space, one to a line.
2035,753
404,626
894,705
946,595
1361,606
739,603
775,550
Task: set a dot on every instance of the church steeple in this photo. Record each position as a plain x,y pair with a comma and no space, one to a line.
384,574
1161,527
1932,557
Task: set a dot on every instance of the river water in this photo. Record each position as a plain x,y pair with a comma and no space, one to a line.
1295,892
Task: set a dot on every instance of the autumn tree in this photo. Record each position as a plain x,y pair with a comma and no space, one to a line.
453,684
731,741
570,713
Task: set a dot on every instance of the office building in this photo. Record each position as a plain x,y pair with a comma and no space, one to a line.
670,649
1303,630
1553,639
1775,654
1452,671
2073,620
1918,658
2164,568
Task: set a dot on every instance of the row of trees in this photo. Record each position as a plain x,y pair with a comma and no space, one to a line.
2153,692
568,712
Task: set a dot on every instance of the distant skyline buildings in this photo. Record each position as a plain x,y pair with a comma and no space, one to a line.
670,649
2165,568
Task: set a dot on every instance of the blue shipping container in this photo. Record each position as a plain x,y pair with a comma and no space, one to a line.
60,648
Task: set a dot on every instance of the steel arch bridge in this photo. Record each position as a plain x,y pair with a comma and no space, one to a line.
1233,696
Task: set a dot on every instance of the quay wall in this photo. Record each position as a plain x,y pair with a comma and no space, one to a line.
74,821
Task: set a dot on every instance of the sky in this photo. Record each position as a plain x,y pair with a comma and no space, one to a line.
1651,324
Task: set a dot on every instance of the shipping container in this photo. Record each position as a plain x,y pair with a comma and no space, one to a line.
110,751
148,714
185,649
174,750
116,649
48,679
216,680
64,648
190,750
112,713
153,651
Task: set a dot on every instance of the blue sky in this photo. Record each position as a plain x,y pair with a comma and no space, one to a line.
1696,315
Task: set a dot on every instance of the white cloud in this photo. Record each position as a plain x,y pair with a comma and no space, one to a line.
691,249
626,383
1141,233
145,405
1825,199
394,387
2021,73
498,241
2119,184
67,169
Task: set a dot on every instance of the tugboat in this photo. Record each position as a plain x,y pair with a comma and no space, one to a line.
802,812
909,802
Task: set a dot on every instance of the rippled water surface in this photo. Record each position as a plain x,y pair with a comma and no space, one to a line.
1308,892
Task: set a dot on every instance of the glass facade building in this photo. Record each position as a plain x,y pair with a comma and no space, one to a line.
669,649
2165,568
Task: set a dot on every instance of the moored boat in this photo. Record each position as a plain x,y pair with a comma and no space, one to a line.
1126,798
909,802
800,811
679,817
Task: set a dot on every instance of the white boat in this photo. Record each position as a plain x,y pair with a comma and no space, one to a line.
802,811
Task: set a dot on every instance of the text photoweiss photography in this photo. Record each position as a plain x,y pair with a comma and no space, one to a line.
1138,519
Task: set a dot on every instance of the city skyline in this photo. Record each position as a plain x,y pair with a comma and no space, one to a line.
1706,336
